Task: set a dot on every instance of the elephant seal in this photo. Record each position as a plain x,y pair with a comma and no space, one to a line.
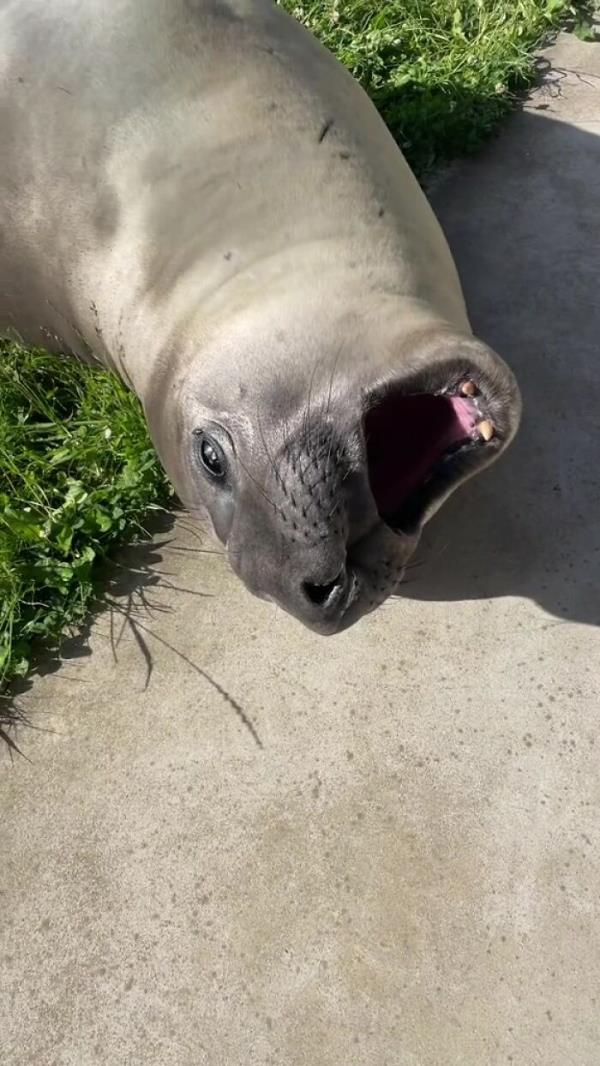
196,194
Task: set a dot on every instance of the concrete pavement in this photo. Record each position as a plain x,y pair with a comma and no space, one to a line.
380,849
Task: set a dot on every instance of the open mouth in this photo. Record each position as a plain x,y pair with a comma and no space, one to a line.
420,444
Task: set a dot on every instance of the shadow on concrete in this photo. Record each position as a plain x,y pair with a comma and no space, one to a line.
523,222
124,582
127,585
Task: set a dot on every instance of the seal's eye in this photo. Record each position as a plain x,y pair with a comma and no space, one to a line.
212,456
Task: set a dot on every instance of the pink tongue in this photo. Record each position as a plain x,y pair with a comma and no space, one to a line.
406,436
463,414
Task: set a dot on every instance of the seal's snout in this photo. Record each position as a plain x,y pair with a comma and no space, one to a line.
321,605
347,487
328,594
306,516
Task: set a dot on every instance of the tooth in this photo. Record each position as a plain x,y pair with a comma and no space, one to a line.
486,430
468,388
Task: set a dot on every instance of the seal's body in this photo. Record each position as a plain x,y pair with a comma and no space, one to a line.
196,194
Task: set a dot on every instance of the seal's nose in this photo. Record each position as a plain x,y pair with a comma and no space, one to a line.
325,595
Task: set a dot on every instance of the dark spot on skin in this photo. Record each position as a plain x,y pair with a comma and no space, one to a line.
227,255
381,212
243,392
325,130
344,155
94,311
273,106
21,81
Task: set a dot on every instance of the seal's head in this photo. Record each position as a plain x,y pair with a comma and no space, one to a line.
320,460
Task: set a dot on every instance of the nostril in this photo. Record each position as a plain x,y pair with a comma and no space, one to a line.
319,594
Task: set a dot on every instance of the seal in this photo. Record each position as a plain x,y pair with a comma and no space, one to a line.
196,194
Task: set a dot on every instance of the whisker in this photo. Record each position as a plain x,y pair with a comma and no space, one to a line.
258,486
331,379
307,412
195,551
266,448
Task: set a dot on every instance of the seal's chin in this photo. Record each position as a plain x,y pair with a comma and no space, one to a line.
420,445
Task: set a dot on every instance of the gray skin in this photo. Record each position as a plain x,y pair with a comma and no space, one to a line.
197,195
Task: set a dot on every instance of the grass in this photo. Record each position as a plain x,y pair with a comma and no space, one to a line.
443,73
77,470
78,474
